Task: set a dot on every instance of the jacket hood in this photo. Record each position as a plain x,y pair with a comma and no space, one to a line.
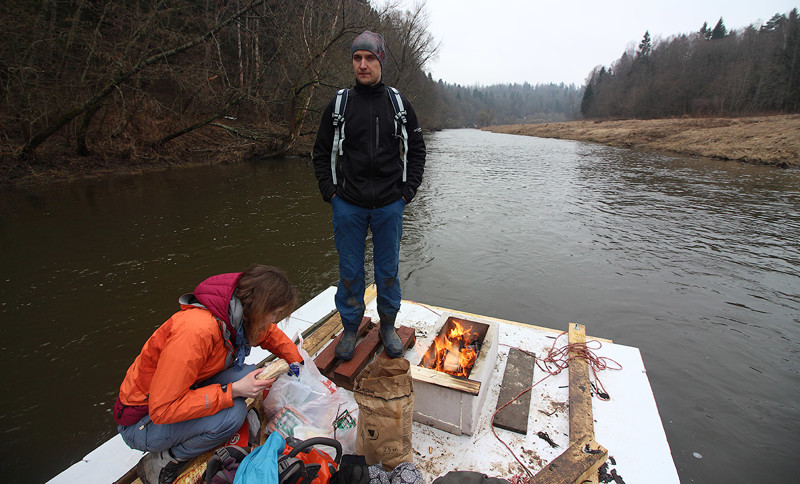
216,295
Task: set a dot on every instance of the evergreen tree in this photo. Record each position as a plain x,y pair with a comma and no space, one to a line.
587,103
705,32
773,23
645,46
719,30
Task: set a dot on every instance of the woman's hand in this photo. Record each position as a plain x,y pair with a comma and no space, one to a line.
249,387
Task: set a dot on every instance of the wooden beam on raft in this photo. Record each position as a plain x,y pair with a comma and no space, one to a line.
581,420
195,471
575,465
580,462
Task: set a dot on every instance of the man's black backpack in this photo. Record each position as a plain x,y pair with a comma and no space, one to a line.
400,120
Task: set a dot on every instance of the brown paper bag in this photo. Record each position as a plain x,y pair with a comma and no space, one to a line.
385,395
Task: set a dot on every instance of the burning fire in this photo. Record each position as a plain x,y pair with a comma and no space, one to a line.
453,351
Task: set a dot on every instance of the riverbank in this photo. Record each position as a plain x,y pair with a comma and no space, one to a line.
56,162
769,140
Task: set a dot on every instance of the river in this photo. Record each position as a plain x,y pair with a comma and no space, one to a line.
696,262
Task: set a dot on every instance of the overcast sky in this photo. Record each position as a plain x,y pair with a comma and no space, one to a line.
514,41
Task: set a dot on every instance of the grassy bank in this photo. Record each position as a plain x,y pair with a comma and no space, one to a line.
770,140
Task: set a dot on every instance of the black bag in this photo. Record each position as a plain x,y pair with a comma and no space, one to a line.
352,470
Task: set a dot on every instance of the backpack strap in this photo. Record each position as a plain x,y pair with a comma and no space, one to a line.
338,129
400,119
291,470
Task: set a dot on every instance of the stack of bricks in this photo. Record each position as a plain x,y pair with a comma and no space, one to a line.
344,373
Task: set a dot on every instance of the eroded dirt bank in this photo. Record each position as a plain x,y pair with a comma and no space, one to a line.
771,140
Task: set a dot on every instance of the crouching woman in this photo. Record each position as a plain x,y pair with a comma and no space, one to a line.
185,392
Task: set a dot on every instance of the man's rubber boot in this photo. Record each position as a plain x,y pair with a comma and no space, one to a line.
346,345
392,345
159,468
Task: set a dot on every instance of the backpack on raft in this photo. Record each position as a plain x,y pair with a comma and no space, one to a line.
400,121
301,463
223,464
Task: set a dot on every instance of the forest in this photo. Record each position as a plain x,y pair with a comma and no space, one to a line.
94,86
149,82
711,72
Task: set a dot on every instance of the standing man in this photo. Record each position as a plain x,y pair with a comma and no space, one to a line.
368,182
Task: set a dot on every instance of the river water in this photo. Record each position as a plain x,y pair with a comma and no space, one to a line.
696,262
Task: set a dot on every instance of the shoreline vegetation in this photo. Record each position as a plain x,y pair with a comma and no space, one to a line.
767,140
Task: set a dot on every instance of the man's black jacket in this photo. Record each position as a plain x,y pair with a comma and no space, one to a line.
370,172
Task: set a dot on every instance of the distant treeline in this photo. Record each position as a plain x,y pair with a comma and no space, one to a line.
460,106
755,70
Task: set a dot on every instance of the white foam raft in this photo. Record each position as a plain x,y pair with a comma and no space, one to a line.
628,424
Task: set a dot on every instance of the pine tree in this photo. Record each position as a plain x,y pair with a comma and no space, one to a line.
588,102
719,30
645,46
773,23
705,32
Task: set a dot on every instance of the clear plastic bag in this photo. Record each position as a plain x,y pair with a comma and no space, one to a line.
310,406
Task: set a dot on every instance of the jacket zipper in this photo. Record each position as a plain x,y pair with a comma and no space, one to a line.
373,153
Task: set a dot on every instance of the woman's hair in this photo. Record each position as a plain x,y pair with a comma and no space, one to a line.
263,289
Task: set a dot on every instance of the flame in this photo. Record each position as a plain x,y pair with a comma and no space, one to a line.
453,351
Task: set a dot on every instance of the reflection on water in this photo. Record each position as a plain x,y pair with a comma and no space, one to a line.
693,261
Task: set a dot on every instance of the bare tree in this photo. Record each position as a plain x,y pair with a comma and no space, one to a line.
123,73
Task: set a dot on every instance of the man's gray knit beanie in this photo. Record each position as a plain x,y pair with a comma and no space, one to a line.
372,42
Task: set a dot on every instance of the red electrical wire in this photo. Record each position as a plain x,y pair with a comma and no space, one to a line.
558,360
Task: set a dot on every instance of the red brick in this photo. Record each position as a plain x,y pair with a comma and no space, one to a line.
407,336
365,350
326,358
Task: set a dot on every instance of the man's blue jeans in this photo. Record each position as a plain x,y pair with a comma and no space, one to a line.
350,224
191,438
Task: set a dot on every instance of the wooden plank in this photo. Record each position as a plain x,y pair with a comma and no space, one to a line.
327,357
576,465
129,477
420,373
193,473
581,417
581,421
517,377
347,371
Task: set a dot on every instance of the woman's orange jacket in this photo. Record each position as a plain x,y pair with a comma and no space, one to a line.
188,349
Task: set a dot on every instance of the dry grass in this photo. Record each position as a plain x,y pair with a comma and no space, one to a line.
771,140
